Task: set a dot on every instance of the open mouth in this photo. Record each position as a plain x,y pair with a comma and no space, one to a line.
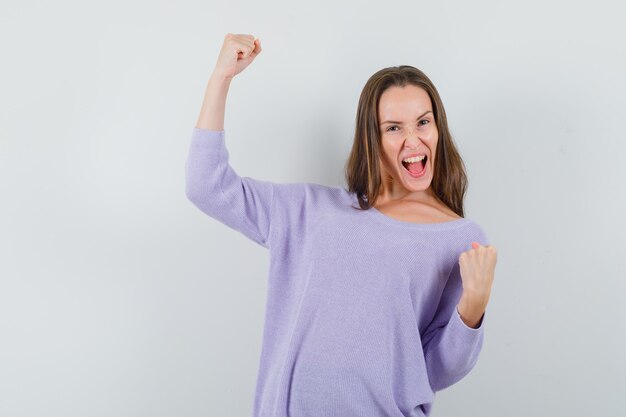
416,168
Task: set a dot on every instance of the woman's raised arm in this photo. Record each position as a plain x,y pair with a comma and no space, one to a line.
237,52
242,203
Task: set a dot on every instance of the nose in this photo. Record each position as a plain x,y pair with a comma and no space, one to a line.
412,140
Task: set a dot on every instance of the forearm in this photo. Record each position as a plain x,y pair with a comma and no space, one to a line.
471,310
453,350
214,104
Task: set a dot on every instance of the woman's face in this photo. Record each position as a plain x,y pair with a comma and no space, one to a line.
408,128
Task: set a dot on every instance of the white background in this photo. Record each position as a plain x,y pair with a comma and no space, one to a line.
118,297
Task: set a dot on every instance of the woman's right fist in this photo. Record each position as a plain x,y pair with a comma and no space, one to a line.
238,51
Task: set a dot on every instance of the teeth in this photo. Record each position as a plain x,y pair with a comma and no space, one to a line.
414,159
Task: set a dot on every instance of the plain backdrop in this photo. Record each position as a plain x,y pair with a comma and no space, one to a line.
118,297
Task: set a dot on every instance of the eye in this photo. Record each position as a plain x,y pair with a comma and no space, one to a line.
425,120
391,127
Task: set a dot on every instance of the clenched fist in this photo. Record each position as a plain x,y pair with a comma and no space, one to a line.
238,51
477,267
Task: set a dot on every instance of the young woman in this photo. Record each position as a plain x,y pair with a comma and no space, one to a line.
377,292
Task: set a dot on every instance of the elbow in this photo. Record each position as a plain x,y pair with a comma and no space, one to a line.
446,370
191,192
203,182
201,187
442,378
198,194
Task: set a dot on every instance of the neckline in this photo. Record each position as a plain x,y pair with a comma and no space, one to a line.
376,214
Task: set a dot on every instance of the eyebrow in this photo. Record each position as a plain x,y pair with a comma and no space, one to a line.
391,121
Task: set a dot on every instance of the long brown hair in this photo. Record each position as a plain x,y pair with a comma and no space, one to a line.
362,169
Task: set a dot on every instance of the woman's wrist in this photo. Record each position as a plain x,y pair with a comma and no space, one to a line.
214,104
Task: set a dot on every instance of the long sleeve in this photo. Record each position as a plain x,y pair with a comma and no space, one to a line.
212,185
451,348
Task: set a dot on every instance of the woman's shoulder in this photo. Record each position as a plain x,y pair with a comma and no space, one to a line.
473,231
308,187
310,194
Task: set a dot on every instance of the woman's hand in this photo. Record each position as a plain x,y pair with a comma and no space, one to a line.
238,51
477,267
477,270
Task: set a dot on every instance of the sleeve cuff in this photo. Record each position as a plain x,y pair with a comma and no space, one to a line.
207,137
463,329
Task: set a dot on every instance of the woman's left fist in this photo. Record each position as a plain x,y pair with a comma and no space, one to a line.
477,267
